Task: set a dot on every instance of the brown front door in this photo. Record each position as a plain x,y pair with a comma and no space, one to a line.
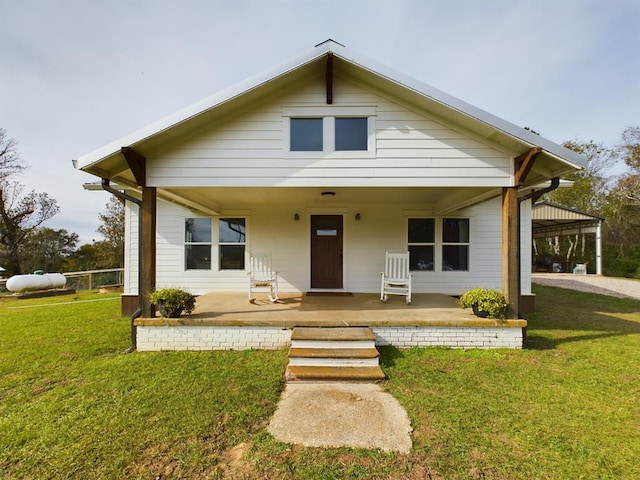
326,251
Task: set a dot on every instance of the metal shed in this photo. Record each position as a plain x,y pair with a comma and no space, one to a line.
550,219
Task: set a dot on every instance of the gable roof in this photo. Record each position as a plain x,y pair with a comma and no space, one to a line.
558,160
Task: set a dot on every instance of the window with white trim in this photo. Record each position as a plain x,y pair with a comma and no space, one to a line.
306,135
421,239
197,243
444,243
455,244
232,242
329,134
351,134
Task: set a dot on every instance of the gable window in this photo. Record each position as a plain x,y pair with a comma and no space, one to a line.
330,131
351,134
232,241
306,135
197,243
421,239
455,244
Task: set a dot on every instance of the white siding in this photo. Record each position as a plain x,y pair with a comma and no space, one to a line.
131,248
381,228
526,249
409,149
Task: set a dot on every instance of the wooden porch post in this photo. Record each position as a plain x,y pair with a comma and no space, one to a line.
510,250
148,250
511,231
147,232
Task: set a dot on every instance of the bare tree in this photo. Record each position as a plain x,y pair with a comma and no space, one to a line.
20,213
9,156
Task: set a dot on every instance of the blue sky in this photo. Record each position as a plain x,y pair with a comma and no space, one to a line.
77,74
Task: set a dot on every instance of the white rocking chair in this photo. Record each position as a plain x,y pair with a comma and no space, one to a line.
396,279
261,276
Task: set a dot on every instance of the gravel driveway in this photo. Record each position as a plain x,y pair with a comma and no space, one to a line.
615,287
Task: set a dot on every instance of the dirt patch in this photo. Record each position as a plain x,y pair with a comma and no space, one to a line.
341,415
155,460
232,462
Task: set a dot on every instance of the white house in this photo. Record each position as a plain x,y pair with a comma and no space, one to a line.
327,162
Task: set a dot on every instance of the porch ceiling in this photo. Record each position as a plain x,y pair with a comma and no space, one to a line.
440,198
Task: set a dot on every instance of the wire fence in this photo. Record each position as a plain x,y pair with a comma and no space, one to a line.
91,279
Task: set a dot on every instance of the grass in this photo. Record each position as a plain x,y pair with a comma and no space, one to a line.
72,405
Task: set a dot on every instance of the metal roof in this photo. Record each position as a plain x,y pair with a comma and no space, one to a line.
553,211
550,219
101,161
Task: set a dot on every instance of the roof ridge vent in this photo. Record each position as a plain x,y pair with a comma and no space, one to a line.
330,40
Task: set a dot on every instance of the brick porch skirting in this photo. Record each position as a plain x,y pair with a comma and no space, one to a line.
207,337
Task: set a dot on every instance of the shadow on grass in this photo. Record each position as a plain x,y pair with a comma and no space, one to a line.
564,316
389,355
535,342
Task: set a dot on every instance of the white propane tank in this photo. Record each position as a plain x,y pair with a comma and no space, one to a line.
33,282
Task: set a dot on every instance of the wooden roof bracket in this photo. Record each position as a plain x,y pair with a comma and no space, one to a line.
137,163
523,164
328,78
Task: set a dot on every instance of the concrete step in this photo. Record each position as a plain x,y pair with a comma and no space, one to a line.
298,352
304,373
333,354
334,344
348,334
333,362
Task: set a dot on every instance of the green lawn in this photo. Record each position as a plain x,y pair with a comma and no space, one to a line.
72,405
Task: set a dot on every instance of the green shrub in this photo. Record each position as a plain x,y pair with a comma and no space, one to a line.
172,301
485,300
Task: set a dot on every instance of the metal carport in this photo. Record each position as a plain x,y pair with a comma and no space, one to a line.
550,220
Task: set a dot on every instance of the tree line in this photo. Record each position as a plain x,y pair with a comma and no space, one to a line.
26,245
609,187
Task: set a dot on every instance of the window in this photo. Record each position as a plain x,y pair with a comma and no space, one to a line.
306,134
197,240
421,236
231,243
351,134
328,131
455,244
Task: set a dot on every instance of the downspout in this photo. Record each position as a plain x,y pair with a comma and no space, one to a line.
535,195
123,196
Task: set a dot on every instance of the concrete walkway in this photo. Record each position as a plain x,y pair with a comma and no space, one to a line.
358,415
612,286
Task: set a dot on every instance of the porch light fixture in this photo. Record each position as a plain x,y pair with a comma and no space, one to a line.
358,216
328,194
296,217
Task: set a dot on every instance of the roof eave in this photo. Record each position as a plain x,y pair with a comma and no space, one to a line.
164,125
452,105
527,138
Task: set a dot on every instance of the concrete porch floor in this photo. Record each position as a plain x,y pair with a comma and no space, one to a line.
300,309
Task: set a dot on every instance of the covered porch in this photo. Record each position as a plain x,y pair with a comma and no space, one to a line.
227,320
